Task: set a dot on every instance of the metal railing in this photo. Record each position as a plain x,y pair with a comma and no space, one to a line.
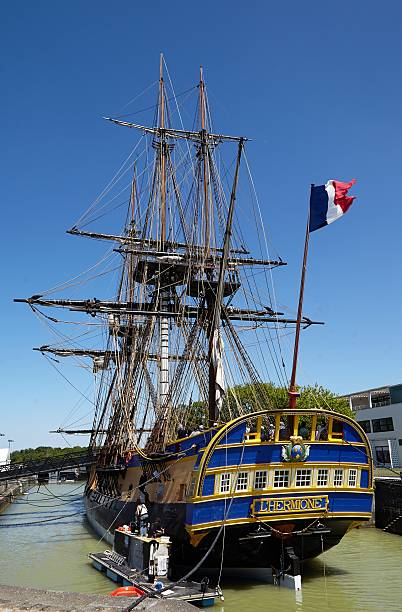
46,465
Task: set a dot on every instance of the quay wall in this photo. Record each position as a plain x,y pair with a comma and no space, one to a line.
20,598
11,489
388,504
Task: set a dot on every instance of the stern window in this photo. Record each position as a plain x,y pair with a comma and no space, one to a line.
322,477
338,478
352,478
281,478
242,481
260,479
224,486
303,478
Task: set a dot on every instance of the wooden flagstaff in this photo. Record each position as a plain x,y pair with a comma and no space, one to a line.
293,393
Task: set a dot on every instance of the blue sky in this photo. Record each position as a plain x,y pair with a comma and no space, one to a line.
318,89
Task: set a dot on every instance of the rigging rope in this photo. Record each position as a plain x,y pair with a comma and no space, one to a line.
210,549
152,479
155,106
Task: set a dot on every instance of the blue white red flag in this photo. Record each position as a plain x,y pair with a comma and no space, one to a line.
329,202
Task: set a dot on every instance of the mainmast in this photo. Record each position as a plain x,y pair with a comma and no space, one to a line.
163,370
162,153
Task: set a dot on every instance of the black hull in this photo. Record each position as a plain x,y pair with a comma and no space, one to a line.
243,546
112,513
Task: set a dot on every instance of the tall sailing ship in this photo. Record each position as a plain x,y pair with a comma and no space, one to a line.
183,420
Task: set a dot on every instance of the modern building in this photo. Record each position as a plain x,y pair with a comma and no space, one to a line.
4,456
379,412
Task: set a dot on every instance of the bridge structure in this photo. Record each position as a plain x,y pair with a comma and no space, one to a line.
46,465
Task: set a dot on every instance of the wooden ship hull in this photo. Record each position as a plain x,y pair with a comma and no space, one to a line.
262,496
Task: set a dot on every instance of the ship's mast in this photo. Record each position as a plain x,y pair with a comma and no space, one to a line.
205,164
162,153
215,358
166,320
133,198
212,409
163,369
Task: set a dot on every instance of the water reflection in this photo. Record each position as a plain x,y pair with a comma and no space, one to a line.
361,574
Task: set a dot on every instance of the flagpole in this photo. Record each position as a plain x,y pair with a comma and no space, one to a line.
293,394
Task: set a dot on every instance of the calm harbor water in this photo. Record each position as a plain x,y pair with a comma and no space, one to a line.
362,573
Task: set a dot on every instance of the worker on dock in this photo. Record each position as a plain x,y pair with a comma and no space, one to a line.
141,515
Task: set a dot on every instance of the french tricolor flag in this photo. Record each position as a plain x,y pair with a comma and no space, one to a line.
329,202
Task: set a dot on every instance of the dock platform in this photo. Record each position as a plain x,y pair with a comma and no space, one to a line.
116,568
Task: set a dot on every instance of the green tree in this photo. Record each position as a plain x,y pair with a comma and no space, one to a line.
319,397
42,452
253,397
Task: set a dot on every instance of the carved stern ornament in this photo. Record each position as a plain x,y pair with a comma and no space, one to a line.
295,450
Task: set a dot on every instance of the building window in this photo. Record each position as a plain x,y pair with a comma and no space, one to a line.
322,477
382,454
352,478
242,481
338,478
303,478
260,479
224,486
365,425
281,478
383,424
380,400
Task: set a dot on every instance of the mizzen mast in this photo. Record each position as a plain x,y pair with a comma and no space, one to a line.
216,377
205,164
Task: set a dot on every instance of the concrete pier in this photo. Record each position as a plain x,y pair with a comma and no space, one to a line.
11,489
13,599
